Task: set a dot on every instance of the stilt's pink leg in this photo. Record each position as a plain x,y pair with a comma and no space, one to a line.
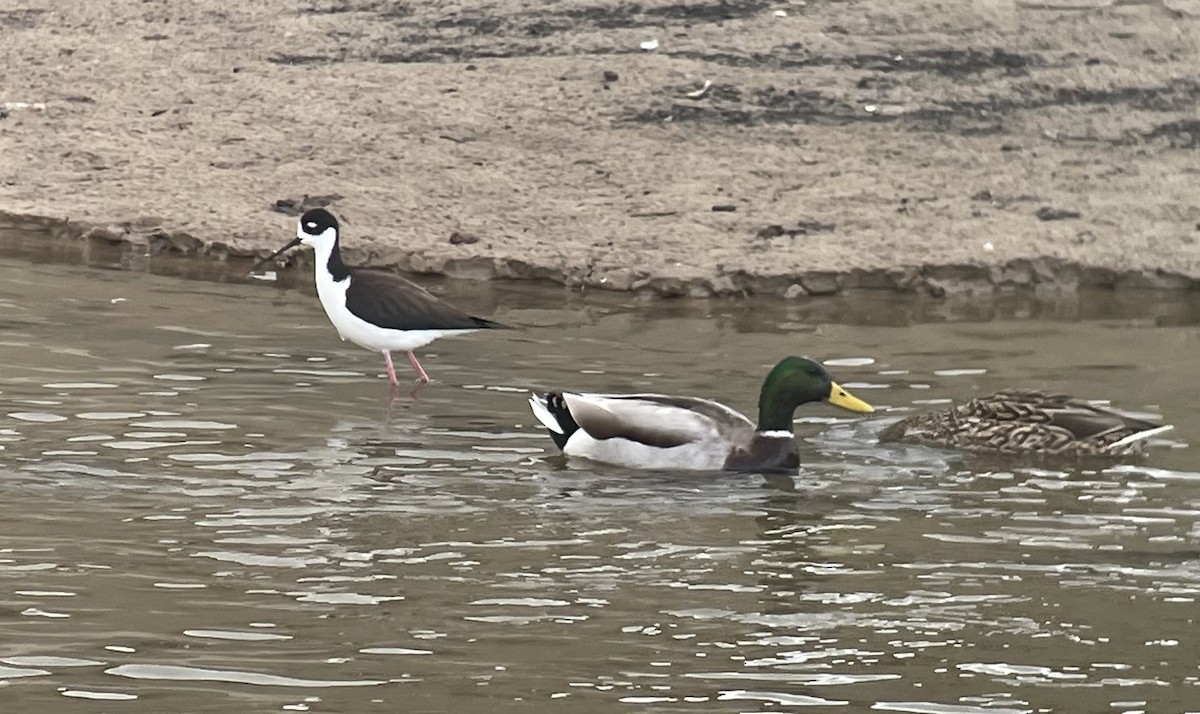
387,358
421,376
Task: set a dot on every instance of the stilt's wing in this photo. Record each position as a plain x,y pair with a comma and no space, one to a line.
392,302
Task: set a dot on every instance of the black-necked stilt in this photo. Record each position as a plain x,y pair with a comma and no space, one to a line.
374,309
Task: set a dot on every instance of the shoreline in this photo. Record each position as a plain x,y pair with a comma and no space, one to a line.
829,149
1045,275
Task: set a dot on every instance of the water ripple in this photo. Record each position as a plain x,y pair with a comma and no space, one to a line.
187,520
198,674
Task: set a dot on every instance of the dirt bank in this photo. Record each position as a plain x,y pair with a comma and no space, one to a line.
863,143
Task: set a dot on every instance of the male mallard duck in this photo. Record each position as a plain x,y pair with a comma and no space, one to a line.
1028,422
655,431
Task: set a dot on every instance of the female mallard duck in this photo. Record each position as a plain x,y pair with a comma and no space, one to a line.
655,431
1028,422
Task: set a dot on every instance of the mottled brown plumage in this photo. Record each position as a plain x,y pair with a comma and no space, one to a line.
1027,422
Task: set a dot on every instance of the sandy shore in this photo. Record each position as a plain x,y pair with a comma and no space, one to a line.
864,143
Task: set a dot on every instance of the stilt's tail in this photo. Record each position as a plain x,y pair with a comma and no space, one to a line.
483,323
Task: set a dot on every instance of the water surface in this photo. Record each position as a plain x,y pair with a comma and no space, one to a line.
208,505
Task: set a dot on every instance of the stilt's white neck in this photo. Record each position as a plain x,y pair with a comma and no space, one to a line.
325,245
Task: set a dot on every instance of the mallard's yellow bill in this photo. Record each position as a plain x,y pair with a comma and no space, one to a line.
839,397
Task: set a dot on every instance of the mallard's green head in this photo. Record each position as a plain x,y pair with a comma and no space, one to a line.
795,381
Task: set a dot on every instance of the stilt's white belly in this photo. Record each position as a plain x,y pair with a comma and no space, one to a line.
364,334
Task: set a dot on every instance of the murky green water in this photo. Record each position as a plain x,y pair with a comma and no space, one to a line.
208,506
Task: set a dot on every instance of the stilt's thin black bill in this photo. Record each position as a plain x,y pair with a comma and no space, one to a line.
291,244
